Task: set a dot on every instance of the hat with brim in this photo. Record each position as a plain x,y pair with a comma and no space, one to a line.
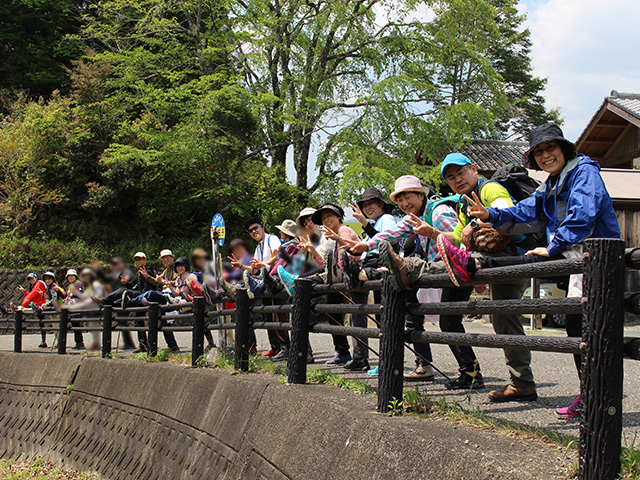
140,255
199,253
253,221
49,274
457,159
32,275
374,194
542,134
236,242
71,271
306,212
408,183
182,261
327,207
166,253
288,227
87,271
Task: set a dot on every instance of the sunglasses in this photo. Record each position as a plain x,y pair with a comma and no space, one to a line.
253,229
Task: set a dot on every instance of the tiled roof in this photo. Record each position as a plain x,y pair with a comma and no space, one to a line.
489,155
629,102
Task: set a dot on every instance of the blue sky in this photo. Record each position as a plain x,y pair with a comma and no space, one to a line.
585,48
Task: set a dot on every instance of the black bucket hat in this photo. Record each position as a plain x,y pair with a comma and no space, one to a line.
253,221
331,207
184,262
374,194
547,133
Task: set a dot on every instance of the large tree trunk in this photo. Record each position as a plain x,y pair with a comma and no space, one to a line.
301,151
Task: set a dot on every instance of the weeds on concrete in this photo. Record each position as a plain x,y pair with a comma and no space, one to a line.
39,470
630,461
319,375
164,355
257,364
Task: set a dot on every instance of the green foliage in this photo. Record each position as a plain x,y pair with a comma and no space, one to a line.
164,355
42,251
324,376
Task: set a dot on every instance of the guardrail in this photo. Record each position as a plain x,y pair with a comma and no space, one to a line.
602,345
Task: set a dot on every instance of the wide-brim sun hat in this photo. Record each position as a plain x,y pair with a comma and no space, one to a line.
306,212
288,227
408,183
542,134
71,271
327,207
374,194
457,159
199,253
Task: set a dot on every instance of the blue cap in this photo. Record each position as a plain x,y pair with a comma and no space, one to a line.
454,159
32,275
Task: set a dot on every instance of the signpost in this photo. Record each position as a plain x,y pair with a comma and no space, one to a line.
217,232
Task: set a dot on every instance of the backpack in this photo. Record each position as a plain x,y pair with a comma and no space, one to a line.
436,201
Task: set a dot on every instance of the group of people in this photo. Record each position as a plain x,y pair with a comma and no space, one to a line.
434,235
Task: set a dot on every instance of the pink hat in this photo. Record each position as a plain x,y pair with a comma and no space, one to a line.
408,183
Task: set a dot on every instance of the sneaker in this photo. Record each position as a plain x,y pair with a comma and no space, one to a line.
350,269
253,350
455,260
125,300
572,411
211,296
42,345
78,346
175,349
97,300
357,365
467,381
399,277
423,372
254,286
282,355
145,302
373,371
287,279
228,288
270,353
339,359
140,350
271,284
513,394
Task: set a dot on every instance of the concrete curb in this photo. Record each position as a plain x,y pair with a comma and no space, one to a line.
133,420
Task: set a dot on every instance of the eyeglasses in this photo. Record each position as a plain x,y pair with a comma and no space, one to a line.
454,176
253,229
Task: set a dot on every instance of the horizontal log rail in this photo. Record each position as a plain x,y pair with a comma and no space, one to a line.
484,307
272,325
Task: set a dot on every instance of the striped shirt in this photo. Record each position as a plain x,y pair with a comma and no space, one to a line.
444,218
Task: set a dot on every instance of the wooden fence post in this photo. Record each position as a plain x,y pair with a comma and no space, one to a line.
17,331
107,327
243,327
602,335
299,348
390,377
197,340
153,315
62,332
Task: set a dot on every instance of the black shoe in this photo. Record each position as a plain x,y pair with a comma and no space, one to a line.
125,300
79,346
271,284
350,269
357,365
466,382
211,296
175,350
281,356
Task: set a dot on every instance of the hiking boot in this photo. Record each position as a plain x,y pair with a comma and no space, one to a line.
42,345
287,279
270,353
228,288
399,277
455,260
211,296
357,365
97,300
254,286
339,359
175,349
271,284
350,269
125,300
513,394
571,411
373,371
467,381
282,355
422,373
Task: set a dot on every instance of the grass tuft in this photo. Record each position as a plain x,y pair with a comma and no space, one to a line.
319,375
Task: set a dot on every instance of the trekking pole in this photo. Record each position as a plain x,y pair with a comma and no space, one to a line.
357,339
408,347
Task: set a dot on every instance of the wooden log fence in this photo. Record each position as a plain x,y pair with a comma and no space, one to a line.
602,346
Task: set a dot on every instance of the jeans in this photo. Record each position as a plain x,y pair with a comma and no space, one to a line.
465,356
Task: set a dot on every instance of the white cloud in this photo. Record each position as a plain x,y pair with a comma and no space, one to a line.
585,48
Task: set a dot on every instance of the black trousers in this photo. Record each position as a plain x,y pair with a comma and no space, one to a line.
465,356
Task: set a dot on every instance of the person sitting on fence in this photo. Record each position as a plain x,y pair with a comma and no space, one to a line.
92,288
54,298
118,277
199,261
74,292
35,294
331,217
412,198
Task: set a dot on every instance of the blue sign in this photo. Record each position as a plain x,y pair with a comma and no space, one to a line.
217,225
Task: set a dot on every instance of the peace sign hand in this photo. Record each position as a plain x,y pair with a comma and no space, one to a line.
476,209
358,215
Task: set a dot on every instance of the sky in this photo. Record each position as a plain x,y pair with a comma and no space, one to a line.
585,49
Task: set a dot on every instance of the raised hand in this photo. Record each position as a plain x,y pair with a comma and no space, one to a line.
476,208
540,251
355,247
420,227
358,215
330,234
235,263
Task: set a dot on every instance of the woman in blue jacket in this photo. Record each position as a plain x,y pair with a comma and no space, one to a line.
572,204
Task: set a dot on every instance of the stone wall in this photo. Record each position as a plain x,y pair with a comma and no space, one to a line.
133,420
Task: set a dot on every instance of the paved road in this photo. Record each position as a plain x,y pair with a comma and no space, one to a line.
555,375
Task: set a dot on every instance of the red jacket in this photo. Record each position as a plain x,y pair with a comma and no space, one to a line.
36,295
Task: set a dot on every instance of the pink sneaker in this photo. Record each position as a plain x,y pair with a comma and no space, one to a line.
572,411
455,260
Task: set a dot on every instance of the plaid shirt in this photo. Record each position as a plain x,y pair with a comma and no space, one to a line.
444,219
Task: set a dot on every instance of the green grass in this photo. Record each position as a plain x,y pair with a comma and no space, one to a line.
257,364
164,355
324,376
39,470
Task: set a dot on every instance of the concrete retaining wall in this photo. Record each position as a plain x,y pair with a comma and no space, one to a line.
133,420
